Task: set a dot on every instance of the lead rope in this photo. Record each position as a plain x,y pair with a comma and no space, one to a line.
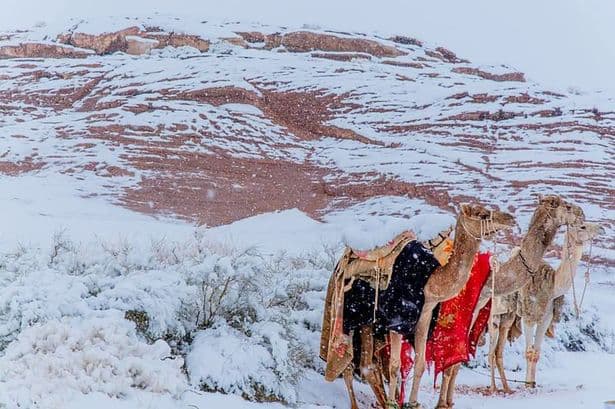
587,278
577,308
378,271
494,264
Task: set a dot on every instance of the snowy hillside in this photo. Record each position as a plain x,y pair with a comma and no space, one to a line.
176,192
264,118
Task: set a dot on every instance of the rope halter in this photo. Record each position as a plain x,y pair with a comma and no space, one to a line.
487,226
579,304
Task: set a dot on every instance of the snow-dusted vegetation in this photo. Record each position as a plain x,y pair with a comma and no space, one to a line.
115,318
123,321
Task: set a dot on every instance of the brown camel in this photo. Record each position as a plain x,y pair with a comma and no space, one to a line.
377,263
551,213
372,367
537,297
473,223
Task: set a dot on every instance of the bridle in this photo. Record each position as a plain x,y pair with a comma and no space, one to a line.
487,226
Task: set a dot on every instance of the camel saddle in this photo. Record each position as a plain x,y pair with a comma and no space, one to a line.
374,266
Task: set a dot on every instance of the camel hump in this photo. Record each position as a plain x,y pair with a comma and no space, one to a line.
376,265
378,253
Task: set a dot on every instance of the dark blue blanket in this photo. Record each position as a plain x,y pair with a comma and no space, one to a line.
400,305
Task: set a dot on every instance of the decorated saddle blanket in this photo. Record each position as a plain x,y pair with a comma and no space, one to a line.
351,295
351,304
452,340
400,304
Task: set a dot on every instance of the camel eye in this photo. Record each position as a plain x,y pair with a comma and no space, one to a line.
583,227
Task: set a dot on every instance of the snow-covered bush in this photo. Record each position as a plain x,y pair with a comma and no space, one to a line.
264,365
203,299
585,333
257,320
47,365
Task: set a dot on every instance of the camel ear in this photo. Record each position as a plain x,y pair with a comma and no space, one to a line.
539,198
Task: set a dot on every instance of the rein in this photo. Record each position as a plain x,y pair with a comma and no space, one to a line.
526,265
579,304
487,226
587,274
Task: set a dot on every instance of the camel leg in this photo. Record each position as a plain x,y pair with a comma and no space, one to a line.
446,377
451,385
368,368
494,331
348,374
395,341
505,326
529,330
420,344
541,330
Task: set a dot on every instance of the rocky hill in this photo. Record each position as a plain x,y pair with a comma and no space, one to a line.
216,122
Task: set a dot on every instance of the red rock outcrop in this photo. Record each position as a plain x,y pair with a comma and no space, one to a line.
302,41
445,55
17,168
511,76
41,50
305,41
126,41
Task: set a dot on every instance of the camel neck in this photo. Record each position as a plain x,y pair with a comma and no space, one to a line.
446,281
540,234
571,256
516,272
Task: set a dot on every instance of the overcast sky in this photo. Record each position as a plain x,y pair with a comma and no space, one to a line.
559,43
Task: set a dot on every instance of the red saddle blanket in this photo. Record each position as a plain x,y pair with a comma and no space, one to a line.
452,340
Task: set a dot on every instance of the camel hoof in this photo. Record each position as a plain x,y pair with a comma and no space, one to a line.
411,405
391,405
530,385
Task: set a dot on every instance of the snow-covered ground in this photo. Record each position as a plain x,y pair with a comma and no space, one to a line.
67,342
101,306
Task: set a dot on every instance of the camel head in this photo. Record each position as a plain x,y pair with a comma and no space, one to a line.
563,212
482,222
585,232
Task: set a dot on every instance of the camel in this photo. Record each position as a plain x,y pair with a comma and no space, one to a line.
551,213
474,222
537,298
541,299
